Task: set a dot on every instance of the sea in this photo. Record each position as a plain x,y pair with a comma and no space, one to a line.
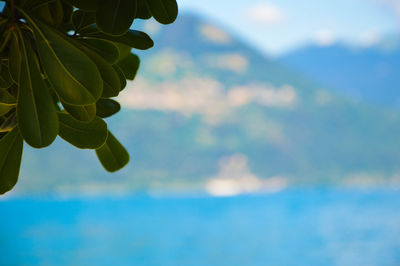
304,226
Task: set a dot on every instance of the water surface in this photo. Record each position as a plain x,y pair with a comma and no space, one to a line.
293,227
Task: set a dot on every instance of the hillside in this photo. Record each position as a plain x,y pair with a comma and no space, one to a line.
207,105
369,74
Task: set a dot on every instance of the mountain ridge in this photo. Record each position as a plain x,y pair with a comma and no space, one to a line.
368,74
190,115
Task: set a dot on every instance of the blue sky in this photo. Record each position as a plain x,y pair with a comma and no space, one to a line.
278,26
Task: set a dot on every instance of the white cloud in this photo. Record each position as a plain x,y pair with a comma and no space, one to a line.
324,37
264,14
152,27
370,38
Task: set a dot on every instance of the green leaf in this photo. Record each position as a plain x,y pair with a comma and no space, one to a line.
7,102
142,10
84,113
4,109
114,17
88,31
36,113
56,100
69,2
88,5
5,77
6,98
110,77
14,61
68,10
104,48
107,107
132,38
123,50
129,66
10,160
164,11
13,90
121,75
82,19
112,155
9,123
52,13
31,5
72,73
91,135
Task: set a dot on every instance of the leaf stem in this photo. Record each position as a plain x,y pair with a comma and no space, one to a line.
13,12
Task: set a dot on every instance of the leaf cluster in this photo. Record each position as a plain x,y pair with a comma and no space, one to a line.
61,63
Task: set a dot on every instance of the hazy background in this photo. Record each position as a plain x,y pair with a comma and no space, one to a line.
260,132
278,27
245,96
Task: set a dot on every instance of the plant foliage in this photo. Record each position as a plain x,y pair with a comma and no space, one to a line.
61,62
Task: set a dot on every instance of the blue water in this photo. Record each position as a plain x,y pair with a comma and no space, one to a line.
294,227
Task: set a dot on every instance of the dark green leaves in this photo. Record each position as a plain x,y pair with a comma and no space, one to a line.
142,12
114,17
121,75
52,12
32,5
10,159
82,19
4,109
74,76
5,77
111,82
132,38
105,49
37,117
83,113
7,102
60,63
6,98
88,5
129,66
83,135
8,122
14,61
164,11
107,107
112,155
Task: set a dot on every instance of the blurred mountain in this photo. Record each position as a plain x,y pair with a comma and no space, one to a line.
369,74
212,51
206,105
